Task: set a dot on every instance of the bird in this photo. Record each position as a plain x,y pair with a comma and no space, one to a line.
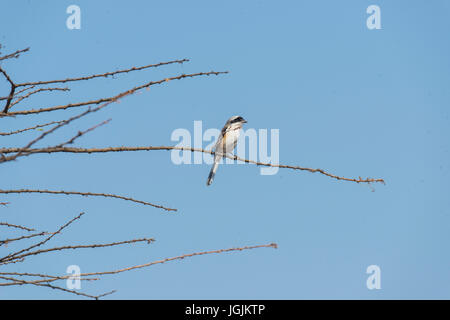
226,143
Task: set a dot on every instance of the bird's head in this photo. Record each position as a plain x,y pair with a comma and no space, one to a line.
236,122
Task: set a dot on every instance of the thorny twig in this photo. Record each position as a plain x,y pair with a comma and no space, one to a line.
103,75
34,92
16,226
30,128
87,194
7,241
15,54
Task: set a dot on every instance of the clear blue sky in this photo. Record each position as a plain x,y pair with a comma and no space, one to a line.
353,101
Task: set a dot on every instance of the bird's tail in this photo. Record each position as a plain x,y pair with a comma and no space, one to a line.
212,173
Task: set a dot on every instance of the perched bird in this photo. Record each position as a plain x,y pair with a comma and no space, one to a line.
226,142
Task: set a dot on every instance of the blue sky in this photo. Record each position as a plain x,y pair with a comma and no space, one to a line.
353,101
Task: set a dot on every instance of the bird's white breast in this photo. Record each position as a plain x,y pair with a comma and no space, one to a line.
229,141
233,136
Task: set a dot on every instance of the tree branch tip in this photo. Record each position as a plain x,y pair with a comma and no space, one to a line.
105,294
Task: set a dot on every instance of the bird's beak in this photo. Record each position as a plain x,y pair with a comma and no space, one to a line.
244,121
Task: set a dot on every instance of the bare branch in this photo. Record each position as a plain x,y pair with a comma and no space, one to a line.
16,226
105,75
110,99
42,136
92,194
30,128
11,92
11,262
151,148
7,78
63,123
7,241
47,278
271,245
18,92
44,279
81,133
24,89
15,54
78,293
34,92
13,256
87,246
59,125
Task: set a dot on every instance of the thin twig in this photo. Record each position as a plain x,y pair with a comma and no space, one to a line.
7,241
81,133
18,92
92,194
271,245
105,75
13,256
63,289
16,226
24,89
15,54
30,128
86,246
45,279
34,92
11,92
181,257
12,262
